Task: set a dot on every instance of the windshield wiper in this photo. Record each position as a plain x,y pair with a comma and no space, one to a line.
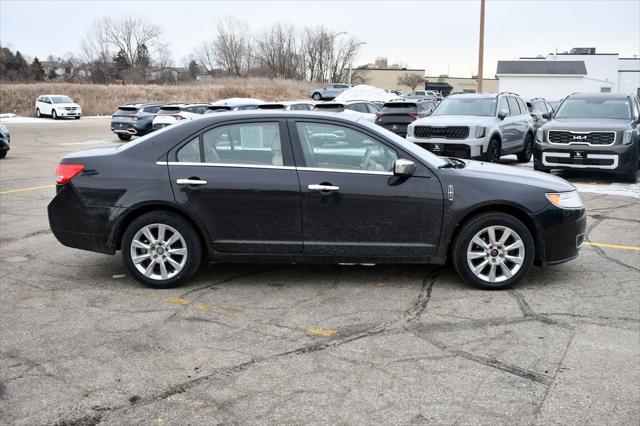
453,163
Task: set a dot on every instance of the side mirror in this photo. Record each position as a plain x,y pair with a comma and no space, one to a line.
502,114
403,167
546,116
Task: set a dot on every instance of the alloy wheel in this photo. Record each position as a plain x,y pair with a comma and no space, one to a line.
158,251
495,254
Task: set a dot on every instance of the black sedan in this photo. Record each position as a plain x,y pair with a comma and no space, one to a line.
290,187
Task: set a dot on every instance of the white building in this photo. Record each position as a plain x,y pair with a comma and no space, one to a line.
556,75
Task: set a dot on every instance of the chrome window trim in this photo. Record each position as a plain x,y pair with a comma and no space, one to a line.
581,133
233,165
362,172
580,166
259,166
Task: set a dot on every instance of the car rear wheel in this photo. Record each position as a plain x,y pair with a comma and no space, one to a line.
161,249
54,114
527,151
493,152
124,136
317,96
493,251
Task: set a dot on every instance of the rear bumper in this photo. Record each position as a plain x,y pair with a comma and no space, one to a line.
78,226
584,157
562,232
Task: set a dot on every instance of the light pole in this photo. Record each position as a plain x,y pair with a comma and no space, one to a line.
481,48
362,43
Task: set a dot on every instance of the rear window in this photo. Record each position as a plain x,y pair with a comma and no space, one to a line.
271,106
126,111
169,110
301,107
152,109
400,107
329,107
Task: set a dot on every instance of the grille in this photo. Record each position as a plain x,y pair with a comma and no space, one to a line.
448,150
70,108
457,132
593,138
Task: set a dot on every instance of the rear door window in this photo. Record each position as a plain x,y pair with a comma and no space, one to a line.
513,105
244,143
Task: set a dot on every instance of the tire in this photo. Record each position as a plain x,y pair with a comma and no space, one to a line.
527,151
317,96
477,229
174,225
538,168
3,153
54,114
631,175
78,118
38,113
493,152
124,137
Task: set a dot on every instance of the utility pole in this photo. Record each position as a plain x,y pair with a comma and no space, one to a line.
481,48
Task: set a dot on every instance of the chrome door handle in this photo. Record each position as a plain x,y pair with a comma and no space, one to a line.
316,187
191,182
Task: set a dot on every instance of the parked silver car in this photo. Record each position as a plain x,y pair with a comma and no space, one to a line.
484,126
329,91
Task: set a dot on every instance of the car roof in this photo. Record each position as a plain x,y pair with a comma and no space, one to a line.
54,95
598,95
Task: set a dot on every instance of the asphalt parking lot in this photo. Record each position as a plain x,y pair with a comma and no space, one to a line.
83,343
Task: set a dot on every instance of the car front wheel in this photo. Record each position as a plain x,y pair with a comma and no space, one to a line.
54,114
38,113
161,249
527,151
493,152
316,96
493,251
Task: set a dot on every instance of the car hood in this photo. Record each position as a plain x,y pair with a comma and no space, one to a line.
480,170
454,120
587,124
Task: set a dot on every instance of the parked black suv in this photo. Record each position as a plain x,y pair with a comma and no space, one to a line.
397,115
593,131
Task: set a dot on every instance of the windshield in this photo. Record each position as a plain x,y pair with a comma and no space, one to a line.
413,149
61,100
594,108
485,107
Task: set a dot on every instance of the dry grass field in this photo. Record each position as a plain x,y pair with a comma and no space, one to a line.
98,99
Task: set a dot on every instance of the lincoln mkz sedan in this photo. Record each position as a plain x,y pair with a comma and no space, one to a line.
292,187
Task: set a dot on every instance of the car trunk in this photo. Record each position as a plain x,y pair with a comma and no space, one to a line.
397,116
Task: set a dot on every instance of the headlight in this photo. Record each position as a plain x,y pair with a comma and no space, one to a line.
540,135
627,137
565,200
481,132
410,130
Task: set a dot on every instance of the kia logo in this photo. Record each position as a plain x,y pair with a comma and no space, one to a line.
579,138
436,147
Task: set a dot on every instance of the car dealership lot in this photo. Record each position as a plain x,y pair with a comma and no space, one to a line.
83,342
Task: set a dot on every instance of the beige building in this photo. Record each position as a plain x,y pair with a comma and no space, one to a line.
448,85
385,78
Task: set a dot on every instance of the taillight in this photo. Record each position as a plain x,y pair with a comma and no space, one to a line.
178,117
378,114
535,117
414,115
66,172
133,117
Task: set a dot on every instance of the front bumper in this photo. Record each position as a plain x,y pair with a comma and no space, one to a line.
458,148
79,226
580,157
65,113
562,232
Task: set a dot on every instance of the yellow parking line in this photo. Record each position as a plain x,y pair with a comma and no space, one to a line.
32,188
615,246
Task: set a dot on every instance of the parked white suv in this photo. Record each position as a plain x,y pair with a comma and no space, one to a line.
482,126
170,114
57,106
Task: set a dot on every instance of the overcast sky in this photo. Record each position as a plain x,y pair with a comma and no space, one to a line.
440,36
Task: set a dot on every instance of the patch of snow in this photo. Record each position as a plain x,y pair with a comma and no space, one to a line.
234,101
365,92
16,119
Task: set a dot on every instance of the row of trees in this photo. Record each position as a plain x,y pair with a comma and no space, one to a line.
281,51
130,49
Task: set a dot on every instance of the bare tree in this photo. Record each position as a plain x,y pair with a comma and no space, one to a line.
411,80
327,56
277,50
229,50
131,35
96,50
163,55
